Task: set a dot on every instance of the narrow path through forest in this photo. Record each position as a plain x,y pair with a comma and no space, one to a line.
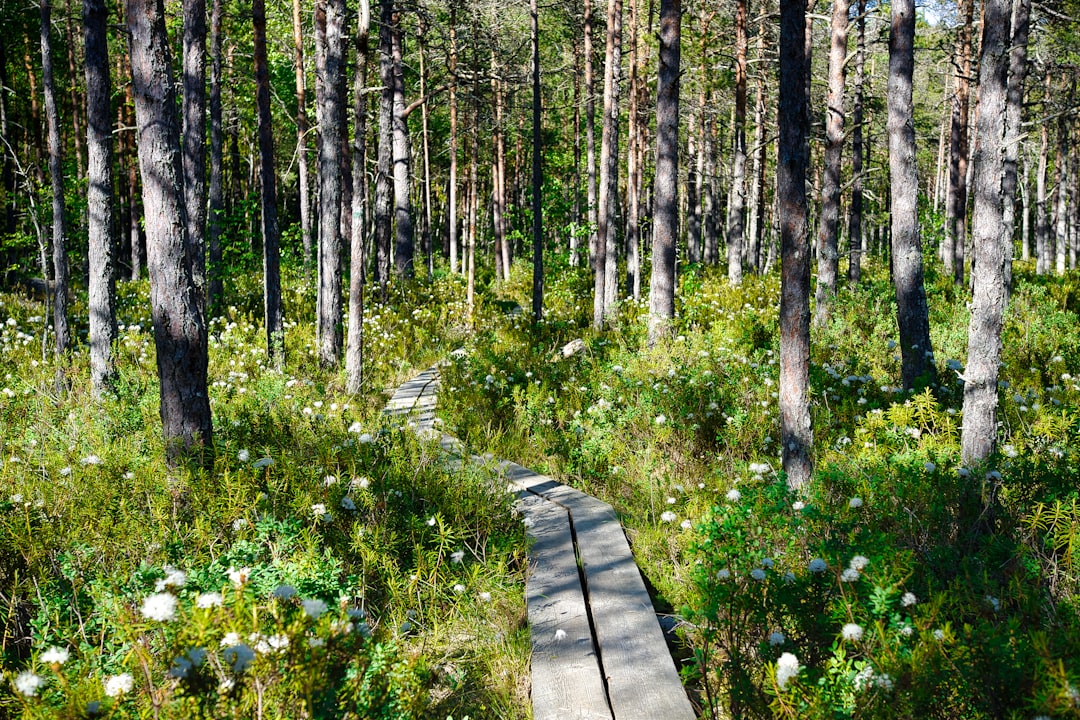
597,648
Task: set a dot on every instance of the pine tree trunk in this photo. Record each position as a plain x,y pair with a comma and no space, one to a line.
452,202
354,346
756,210
956,215
502,269
426,237
633,169
404,250
693,200
856,239
666,189
56,172
1042,220
737,199
607,213
272,316
385,162
829,228
194,113
979,432
537,176
911,311
575,258
77,102
590,133
101,227
301,137
330,61
217,148
1061,234
796,433
179,324
1021,14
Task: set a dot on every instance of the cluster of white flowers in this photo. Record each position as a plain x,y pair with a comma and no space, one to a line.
160,607
54,656
314,608
173,578
852,631
787,667
734,495
117,685
28,683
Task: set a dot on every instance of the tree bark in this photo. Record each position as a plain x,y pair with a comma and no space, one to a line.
101,227
385,162
737,199
1021,15
56,172
537,176
498,196
911,311
590,133
829,227
956,216
426,236
217,148
796,433
301,137
273,316
756,210
633,167
855,220
1042,221
194,60
403,255
607,213
693,186
354,347
329,19
1061,211
666,189
77,102
979,433
452,209
179,323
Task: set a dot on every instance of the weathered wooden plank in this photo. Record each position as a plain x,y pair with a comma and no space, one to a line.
566,679
642,680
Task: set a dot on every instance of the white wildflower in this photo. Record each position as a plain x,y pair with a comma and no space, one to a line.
723,574
858,562
28,683
908,599
849,575
852,631
734,495
758,574
116,685
457,556
776,638
54,656
667,516
798,505
787,667
239,577
243,455
314,608
817,565
160,607
208,600
855,502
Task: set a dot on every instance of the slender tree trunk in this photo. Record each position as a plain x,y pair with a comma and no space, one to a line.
829,228
330,61
537,176
756,210
1025,210
354,347
575,259
693,200
384,174
179,324
956,218
56,172
426,240
856,238
452,208
666,192
273,316
796,433
633,169
217,148
498,200
590,134
77,102
135,217
607,214
194,58
1021,14
403,255
979,433
301,137
737,199
474,200
99,197
1061,235
939,168
1042,220
709,230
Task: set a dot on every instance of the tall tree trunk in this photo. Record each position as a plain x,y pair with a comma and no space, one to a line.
179,323
1025,210
330,59
633,168
1061,234
426,238
77,102
829,228
354,346
575,259
101,228
56,172
979,432
498,199
911,311
474,197
1042,220
856,239
956,216
537,176
756,210
590,133
301,137
1021,14
195,140
385,162
607,213
737,199
693,185
273,316
135,216
709,229
796,433
403,255
666,193
217,147
452,209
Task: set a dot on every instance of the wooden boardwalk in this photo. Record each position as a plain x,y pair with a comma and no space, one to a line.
597,648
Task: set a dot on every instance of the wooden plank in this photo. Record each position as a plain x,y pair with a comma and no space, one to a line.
642,680
566,679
